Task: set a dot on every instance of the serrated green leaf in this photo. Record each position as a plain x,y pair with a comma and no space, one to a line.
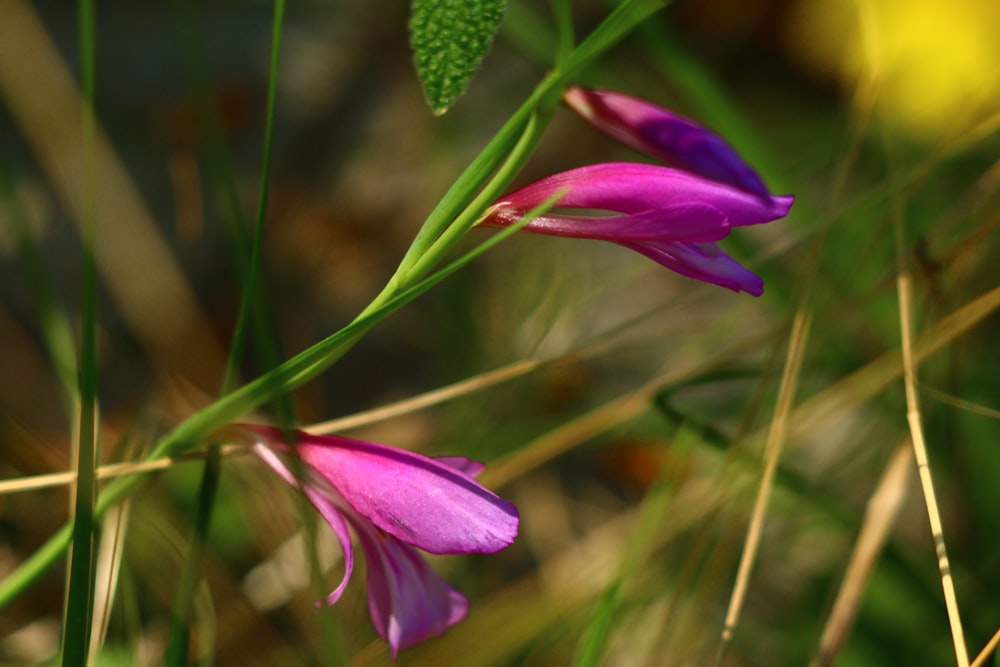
449,39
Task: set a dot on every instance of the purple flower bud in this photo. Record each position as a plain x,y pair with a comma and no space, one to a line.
665,135
671,216
396,501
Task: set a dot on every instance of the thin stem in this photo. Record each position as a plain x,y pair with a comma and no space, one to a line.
252,310
562,13
772,456
881,512
297,370
180,629
988,650
656,502
252,298
904,288
505,175
626,16
419,402
109,471
78,616
924,470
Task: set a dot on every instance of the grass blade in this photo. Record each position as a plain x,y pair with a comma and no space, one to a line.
772,455
78,617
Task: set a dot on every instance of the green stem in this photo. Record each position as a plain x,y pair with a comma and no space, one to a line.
251,293
460,206
562,14
78,617
180,627
622,19
224,411
467,219
252,311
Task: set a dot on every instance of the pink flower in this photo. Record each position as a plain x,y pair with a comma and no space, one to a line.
671,216
674,216
664,135
394,500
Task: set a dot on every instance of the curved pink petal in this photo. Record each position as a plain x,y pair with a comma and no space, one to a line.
706,262
434,505
407,600
327,508
678,222
631,187
665,135
394,500
671,216
419,500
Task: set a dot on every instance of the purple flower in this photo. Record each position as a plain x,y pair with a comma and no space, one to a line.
665,135
673,217
394,500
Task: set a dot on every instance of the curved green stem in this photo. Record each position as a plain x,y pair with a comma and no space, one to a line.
488,175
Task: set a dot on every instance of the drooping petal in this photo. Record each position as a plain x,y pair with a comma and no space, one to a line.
706,262
324,500
407,600
678,222
665,135
631,188
424,502
394,500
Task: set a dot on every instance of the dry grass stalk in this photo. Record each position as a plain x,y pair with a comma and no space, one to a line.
880,517
923,467
772,455
991,646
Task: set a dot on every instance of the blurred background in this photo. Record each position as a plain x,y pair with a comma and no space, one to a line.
631,429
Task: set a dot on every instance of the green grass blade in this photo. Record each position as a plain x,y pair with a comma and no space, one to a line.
191,574
562,14
252,318
78,617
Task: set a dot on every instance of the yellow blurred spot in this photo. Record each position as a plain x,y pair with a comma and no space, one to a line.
932,66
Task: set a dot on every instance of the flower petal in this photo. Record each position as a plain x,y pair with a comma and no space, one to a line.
706,262
631,187
427,503
407,600
327,508
394,500
665,135
679,222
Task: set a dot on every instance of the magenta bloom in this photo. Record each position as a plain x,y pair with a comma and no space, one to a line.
671,216
394,500
674,216
665,135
